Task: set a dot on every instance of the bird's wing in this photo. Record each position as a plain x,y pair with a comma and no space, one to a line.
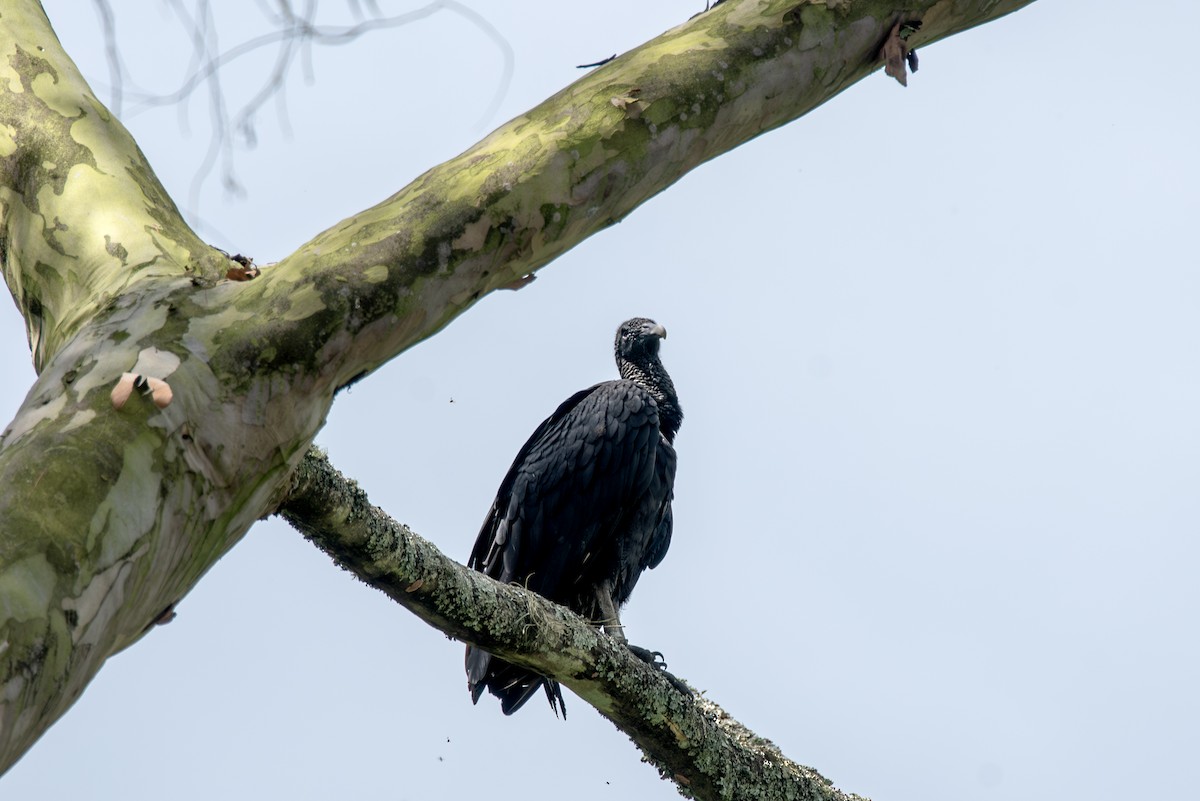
493,539
664,474
576,480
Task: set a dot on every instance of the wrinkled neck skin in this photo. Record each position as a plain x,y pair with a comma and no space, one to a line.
653,376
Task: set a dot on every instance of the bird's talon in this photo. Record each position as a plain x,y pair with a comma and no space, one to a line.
652,658
655,660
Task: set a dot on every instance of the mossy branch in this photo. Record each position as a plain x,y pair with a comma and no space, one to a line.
691,740
574,165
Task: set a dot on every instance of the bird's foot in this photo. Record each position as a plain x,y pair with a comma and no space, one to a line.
652,658
655,660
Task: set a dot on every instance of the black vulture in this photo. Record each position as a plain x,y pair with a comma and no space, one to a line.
585,507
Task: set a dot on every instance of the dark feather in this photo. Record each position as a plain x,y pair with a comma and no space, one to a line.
586,503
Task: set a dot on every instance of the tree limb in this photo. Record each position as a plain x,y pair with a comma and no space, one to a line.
691,740
109,516
575,165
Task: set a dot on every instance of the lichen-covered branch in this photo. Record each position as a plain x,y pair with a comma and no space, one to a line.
108,515
691,740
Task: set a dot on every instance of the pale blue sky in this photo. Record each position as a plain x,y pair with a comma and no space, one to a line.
936,511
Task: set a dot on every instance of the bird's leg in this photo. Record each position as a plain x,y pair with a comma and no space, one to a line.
612,626
611,623
610,620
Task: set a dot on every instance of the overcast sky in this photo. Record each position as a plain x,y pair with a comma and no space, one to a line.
936,511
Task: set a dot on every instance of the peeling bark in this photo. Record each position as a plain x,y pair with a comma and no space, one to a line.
109,516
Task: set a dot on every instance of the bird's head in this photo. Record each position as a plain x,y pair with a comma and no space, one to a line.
637,340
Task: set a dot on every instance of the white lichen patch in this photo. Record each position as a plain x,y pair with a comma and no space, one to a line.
27,418
155,363
12,691
79,420
26,588
99,600
109,362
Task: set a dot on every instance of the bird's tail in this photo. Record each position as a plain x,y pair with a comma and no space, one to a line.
511,684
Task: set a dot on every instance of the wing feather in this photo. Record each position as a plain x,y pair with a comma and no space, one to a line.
575,480
586,499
